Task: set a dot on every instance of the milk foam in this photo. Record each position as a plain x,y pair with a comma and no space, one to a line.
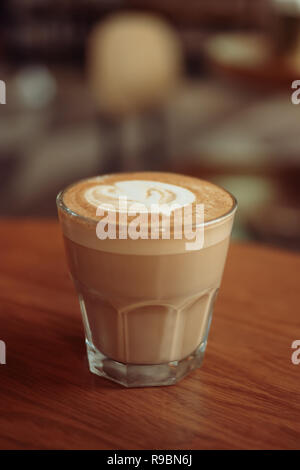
146,188
146,193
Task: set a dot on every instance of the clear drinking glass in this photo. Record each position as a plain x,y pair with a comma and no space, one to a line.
146,307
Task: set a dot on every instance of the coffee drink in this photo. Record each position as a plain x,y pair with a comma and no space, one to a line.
146,302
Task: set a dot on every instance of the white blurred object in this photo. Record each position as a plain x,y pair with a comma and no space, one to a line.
239,49
290,6
35,87
134,62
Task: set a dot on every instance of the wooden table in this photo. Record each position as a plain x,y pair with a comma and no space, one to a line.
245,396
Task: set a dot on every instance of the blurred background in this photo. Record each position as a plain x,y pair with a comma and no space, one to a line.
201,87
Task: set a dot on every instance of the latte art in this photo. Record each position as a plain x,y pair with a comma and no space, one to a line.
153,192
147,193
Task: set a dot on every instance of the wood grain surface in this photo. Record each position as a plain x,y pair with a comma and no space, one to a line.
245,396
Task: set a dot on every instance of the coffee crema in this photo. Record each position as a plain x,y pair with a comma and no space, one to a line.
78,206
138,192
147,188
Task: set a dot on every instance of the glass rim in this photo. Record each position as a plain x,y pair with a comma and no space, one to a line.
60,204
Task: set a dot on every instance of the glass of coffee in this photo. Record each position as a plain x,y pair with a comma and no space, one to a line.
146,252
